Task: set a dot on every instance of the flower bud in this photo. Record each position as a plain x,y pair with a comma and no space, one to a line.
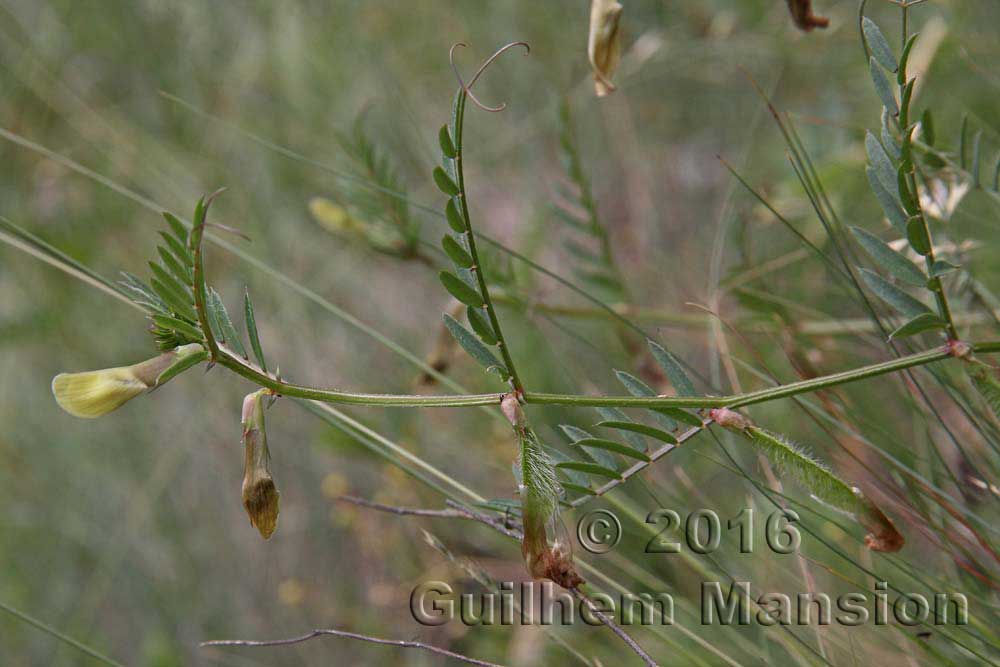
97,393
604,44
260,495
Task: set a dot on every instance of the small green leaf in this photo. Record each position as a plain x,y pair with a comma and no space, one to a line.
941,267
890,205
459,255
481,325
976,158
177,227
919,324
251,322
142,293
635,427
905,59
444,182
179,250
916,234
888,141
474,347
454,217
927,126
883,88
884,168
218,311
177,301
459,289
179,272
892,295
612,446
599,455
888,259
675,373
616,415
878,44
444,140
637,387
186,329
904,103
909,201
589,468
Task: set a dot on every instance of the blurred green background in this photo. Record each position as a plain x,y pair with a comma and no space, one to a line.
127,532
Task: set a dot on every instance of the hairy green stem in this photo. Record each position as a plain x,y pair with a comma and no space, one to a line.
242,367
471,238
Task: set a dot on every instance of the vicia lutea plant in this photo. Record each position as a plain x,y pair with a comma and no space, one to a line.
190,324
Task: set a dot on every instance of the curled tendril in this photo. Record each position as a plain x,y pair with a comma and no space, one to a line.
467,88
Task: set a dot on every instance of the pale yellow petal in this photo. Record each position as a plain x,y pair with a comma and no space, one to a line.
96,393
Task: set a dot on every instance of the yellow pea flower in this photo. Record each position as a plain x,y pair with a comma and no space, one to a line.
97,393
604,44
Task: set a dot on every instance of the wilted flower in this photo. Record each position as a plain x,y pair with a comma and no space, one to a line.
97,393
260,495
604,44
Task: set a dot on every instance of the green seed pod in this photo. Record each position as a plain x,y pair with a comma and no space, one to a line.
818,479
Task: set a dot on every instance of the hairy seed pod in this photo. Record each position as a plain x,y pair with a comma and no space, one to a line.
96,393
821,482
260,495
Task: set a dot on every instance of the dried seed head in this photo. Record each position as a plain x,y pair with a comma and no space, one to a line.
882,535
260,495
96,393
604,44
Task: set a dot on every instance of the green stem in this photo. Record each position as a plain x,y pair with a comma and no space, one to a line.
471,238
242,367
935,284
